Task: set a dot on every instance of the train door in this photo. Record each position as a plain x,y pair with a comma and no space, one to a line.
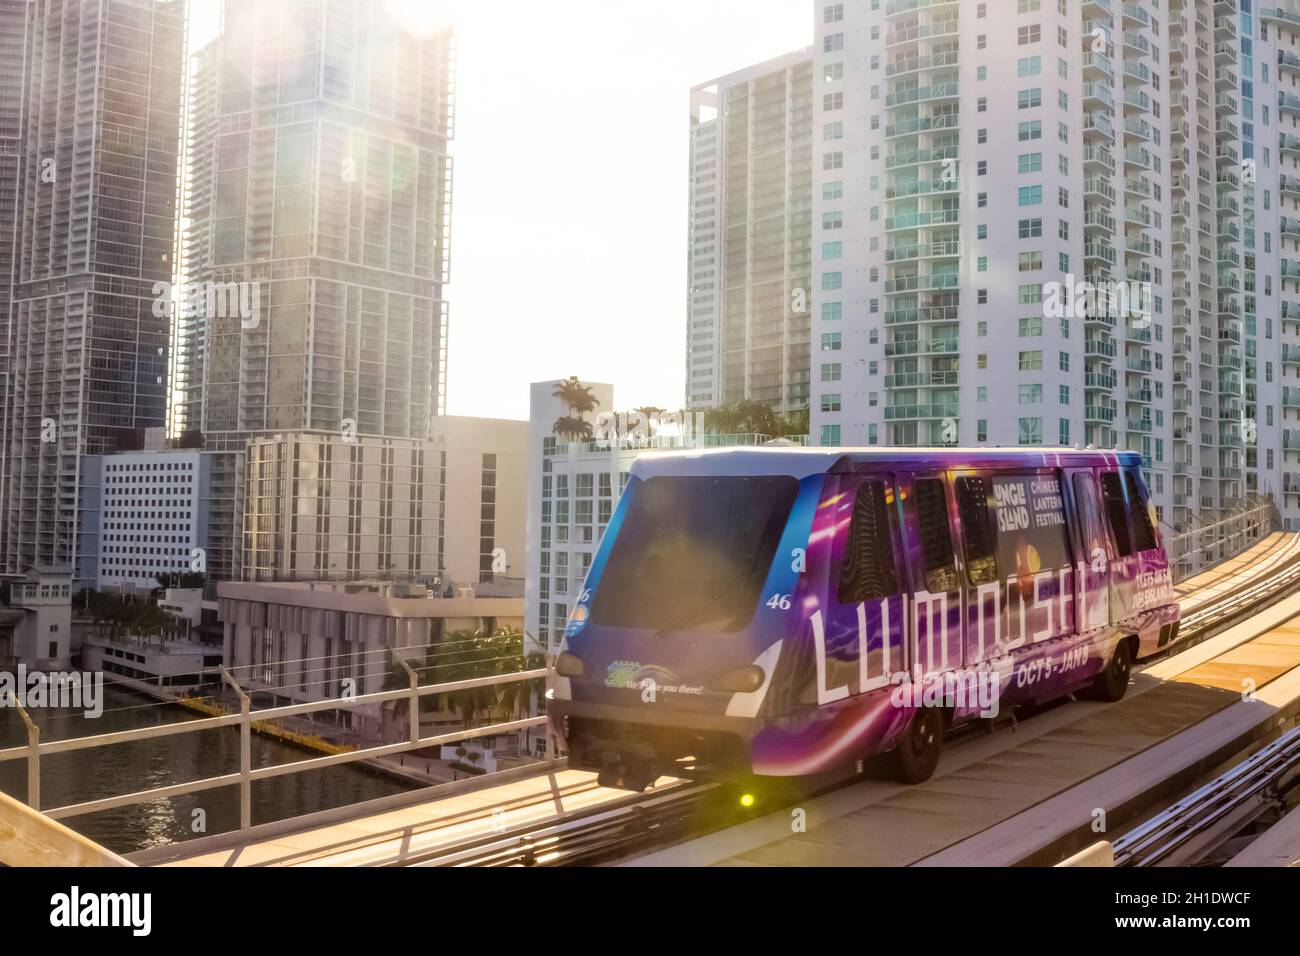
1145,535
985,599
1094,550
1034,555
935,634
868,584
1124,568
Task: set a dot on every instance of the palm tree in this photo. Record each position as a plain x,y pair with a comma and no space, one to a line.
649,419
580,401
746,416
148,620
575,395
721,420
514,699
482,655
585,401
464,661
756,417
471,654
794,424
573,428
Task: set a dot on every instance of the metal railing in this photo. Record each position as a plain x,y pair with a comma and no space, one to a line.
245,720
1202,821
1206,544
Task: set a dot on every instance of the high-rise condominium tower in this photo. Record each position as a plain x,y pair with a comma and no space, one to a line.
318,173
1277,50
89,218
13,63
319,194
749,235
1056,222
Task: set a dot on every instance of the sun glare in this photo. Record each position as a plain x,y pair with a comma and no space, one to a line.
424,17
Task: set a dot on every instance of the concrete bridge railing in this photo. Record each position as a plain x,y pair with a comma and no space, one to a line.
30,838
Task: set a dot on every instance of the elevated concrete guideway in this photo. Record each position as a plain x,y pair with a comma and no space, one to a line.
404,834
30,838
1278,846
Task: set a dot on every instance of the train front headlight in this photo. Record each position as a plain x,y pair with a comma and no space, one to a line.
740,680
570,665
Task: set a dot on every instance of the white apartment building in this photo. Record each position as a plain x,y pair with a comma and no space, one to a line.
153,516
324,506
446,511
1278,50
749,233
572,488
484,464
981,169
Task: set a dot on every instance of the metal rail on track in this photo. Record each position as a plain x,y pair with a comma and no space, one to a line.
586,835
1232,605
1202,821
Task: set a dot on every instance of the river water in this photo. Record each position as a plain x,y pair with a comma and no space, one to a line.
80,776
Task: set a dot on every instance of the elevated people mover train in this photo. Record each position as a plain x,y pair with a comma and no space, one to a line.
780,611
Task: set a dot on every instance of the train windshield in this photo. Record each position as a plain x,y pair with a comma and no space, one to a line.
693,552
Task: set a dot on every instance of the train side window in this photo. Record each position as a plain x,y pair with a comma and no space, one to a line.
1032,535
1143,530
1091,531
868,572
978,543
936,536
1112,493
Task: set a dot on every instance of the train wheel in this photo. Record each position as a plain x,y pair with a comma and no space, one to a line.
917,754
1112,683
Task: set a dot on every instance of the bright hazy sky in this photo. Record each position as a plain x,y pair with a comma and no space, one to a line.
569,228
